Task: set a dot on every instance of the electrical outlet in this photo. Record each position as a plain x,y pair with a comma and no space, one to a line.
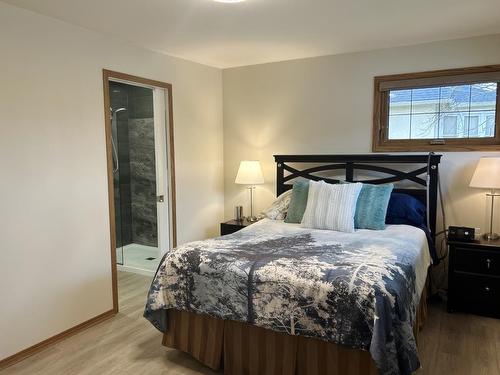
477,232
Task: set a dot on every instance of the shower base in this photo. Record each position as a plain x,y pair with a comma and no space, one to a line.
139,259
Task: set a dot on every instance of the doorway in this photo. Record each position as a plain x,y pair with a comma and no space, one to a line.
141,176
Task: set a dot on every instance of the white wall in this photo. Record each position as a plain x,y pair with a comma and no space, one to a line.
54,236
324,105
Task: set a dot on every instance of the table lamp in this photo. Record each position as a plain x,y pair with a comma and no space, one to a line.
487,176
250,173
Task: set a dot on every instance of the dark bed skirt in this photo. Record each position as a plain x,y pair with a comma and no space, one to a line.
244,349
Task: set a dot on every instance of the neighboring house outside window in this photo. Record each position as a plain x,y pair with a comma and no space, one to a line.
472,124
450,127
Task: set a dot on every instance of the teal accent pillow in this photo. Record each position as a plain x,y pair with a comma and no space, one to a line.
371,207
298,202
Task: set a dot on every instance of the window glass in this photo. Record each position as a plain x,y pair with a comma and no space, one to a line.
458,111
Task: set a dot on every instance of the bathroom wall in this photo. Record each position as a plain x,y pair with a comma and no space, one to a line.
142,166
123,208
135,183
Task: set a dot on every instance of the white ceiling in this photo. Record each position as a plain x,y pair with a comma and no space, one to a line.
260,31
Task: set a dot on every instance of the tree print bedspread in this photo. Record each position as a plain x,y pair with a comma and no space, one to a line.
357,289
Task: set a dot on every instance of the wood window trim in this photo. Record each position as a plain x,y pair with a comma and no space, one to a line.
382,85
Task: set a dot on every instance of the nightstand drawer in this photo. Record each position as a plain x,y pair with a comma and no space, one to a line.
228,228
477,261
479,294
232,226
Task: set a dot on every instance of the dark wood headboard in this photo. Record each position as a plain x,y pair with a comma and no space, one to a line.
425,176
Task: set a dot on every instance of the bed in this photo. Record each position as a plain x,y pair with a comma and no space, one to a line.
276,298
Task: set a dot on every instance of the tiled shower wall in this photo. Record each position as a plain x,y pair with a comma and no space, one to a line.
123,208
142,167
136,219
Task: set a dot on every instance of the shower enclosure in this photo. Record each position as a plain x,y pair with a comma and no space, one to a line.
138,149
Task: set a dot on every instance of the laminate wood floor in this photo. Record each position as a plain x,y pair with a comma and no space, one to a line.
455,344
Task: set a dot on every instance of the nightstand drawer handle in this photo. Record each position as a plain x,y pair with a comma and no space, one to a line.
486,288
488,263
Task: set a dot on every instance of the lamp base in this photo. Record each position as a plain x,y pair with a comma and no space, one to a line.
491,236
252,219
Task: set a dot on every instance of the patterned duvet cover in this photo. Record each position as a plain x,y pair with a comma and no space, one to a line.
357,289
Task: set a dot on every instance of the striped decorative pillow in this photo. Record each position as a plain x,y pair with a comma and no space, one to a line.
331,206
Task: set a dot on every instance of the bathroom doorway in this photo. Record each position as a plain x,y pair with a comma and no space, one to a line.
139,134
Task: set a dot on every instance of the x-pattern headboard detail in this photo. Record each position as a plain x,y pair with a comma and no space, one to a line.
424,175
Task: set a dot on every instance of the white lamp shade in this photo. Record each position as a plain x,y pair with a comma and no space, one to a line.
487,174
249,173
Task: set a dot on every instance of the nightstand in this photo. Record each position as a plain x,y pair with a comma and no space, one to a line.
474,277
232,226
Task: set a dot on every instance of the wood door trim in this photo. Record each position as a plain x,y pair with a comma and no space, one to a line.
28,352
107,75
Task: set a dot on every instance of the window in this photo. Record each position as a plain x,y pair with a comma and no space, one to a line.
443,110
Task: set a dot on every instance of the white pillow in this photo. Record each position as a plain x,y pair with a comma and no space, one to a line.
331,206
279,208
